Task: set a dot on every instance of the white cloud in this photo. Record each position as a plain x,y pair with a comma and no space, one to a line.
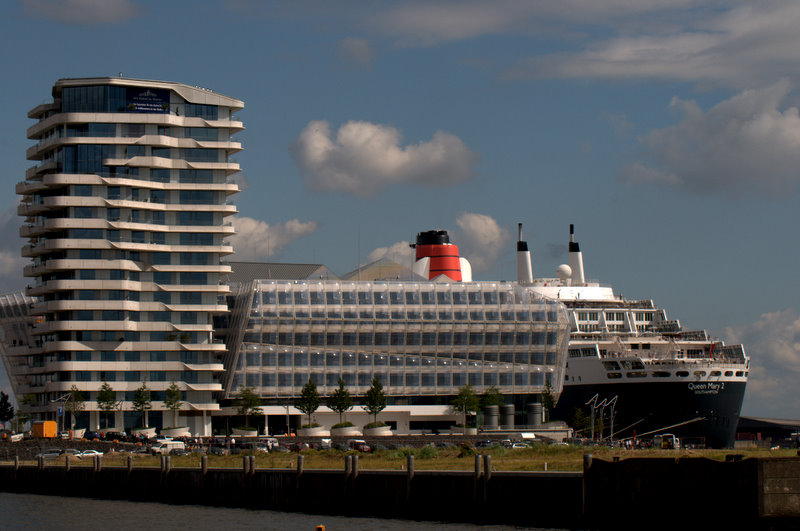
364,158
356,52
773,344
743,144
425,23
481,240
400,252
739,44
257,240
85,12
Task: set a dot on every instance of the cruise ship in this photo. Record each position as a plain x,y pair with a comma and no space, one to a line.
639,371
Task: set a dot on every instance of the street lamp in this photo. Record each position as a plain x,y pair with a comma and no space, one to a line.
60,414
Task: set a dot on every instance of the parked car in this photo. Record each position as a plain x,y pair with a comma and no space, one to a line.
217,450
179,451
359,444
71,451
166,447
88,454
50,453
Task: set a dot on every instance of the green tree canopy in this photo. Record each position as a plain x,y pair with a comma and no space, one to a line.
74,403
248,404
340,401
466,402
107,399
172,401
6,409
142,402
375,400
309,400
492,397
548,400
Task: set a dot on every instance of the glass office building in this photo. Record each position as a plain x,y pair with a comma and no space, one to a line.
420,338
125,214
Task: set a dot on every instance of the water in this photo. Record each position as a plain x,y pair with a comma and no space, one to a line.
31,512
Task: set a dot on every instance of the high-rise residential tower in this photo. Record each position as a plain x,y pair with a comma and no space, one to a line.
125,213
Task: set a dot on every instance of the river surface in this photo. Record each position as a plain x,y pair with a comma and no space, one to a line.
32,512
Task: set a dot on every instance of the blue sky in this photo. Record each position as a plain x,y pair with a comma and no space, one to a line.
666,131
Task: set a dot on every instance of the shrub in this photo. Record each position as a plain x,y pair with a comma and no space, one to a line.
312,425
374,425
466,450
427,452
346,424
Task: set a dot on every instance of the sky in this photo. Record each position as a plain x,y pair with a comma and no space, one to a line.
667,131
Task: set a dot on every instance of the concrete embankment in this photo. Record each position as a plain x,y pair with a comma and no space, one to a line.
633,493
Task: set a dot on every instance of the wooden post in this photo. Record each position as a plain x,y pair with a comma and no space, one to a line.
41,463
300,465
16,462
410,461
252,465
348,466
487,467
167,464
130,463
245,465
355,467
204,464
66,462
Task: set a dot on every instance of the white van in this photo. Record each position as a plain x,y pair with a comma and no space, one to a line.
164,448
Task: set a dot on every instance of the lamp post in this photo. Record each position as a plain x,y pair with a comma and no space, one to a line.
60,412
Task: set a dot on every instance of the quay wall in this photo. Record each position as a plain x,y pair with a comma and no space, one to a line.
547,498
685,493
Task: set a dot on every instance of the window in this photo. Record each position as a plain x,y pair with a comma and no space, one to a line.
196,197
195,218
193,277
202,155
201,133
196,176
159,175
209,112
196,238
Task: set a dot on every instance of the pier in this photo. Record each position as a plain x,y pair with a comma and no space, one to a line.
685,492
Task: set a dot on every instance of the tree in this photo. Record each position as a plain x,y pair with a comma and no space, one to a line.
465,402
340,401
309,400
74,404
28,400
172,401
548,400
142,402
492,397
248,404
6,409
107,399
375,400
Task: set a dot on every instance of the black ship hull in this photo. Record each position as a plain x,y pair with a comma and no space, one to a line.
699,412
